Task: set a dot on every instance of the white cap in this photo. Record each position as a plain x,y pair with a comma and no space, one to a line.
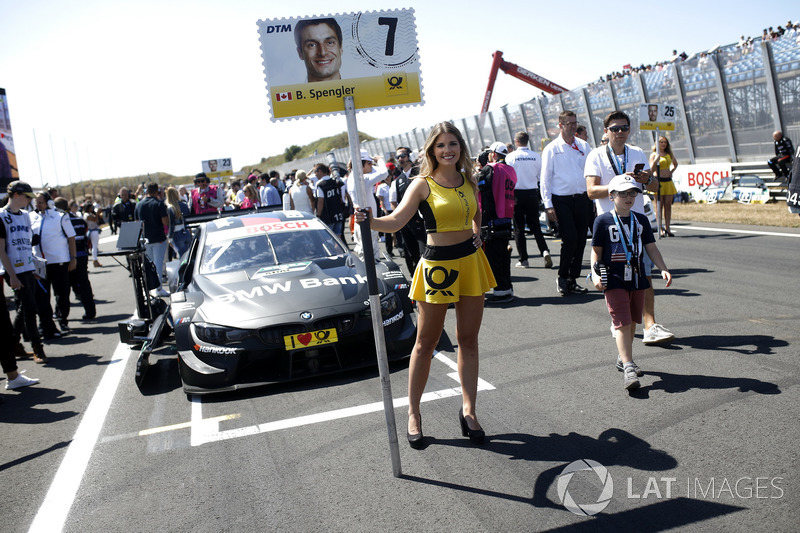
499,147
622,183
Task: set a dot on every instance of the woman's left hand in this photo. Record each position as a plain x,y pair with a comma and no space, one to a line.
476,240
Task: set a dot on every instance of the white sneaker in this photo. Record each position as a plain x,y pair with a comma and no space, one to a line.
159,292
20,381
548,261
657,333
522,264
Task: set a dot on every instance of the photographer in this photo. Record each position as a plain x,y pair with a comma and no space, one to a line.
496,182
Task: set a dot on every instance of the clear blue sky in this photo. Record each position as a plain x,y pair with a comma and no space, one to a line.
124,88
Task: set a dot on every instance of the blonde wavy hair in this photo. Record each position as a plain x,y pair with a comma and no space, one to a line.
174,201
429,163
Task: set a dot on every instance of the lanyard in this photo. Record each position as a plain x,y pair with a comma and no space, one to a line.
614,159
623,233
574,146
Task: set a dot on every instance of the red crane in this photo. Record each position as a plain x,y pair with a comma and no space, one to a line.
519,73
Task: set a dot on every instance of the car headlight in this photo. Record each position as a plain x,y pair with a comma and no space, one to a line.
219,334
389,305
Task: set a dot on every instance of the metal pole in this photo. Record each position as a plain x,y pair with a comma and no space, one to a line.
55,169
78,161
38,161
658,194
69,170
372,283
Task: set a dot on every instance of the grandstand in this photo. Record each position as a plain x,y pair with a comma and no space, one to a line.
729,101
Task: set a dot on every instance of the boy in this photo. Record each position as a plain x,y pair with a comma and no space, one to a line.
619,238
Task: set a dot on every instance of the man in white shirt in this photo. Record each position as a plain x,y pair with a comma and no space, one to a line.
602,165
54,239
565,200
372,176
528,166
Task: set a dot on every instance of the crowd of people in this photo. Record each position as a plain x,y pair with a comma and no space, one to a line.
45,245
745,45
452,218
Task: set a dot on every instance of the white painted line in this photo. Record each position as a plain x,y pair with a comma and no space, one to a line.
52,515
205,431
745,231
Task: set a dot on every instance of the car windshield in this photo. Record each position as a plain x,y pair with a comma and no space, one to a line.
721,183
750,181
268,249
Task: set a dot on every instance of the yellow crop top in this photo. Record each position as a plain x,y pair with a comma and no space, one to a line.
448,208
665,162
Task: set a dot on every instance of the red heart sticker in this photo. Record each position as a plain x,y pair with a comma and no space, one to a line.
304,339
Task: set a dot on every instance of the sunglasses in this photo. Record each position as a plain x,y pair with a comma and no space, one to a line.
617,129
631,192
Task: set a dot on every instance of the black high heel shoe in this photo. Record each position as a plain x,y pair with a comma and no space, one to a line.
476,436
415,440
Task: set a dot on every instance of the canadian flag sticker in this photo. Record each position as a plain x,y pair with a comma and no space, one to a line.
283,97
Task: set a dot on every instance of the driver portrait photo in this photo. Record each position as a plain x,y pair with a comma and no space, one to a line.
319,46
212,165
652,112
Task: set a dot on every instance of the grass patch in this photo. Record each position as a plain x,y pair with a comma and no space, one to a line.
771,214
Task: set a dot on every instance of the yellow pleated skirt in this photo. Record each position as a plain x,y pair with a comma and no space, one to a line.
668,188
445,273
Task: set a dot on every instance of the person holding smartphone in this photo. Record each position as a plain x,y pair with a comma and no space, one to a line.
606,162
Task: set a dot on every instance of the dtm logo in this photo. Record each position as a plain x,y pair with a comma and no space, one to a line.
439,279
218,350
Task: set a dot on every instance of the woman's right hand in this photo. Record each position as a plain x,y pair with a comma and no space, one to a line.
362,214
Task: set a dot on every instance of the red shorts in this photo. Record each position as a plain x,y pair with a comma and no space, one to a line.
625,306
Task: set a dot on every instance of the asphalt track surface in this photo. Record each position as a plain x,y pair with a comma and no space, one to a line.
709,442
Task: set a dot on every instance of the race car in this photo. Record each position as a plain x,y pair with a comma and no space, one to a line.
268,297
746,189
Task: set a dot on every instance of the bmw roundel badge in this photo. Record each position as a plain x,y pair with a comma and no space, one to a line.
305,315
